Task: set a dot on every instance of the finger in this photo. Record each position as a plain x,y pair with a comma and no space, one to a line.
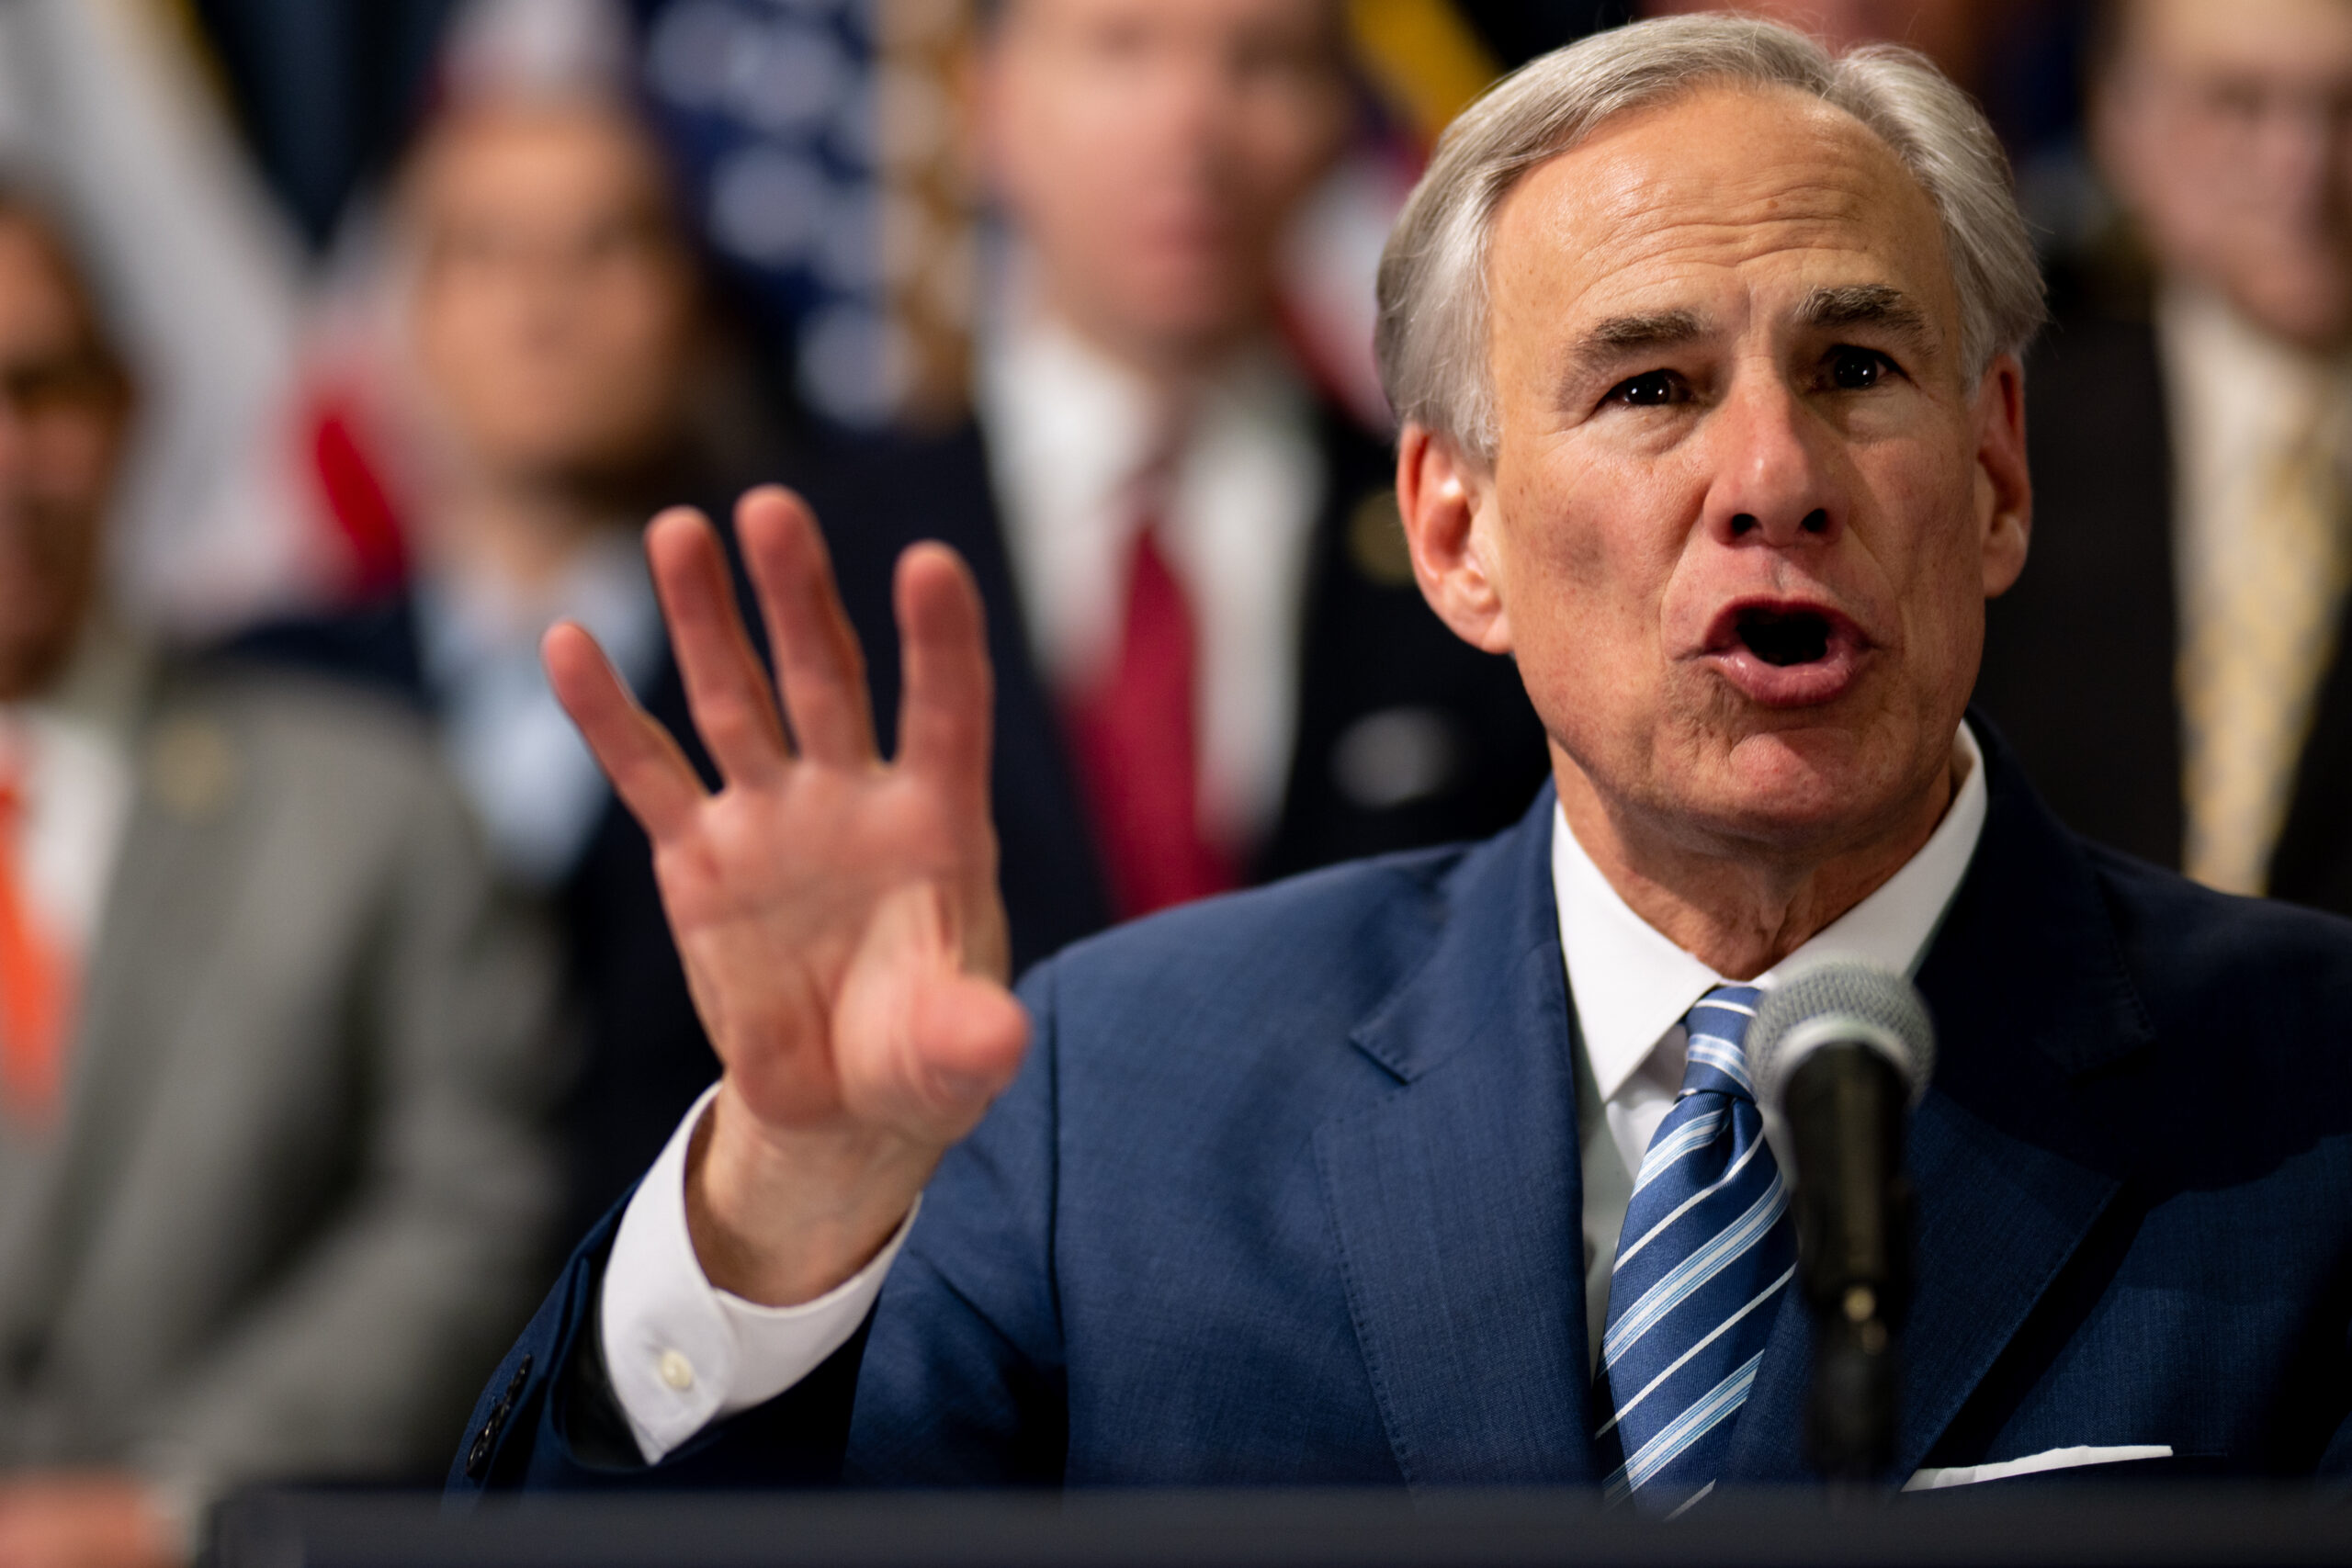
817,661
728,692
944,718
650,774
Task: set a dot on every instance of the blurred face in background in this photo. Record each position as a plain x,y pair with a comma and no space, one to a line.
1150,153
63,407
2227,131
1950,32
555,301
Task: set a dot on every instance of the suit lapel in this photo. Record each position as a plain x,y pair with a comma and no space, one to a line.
148,969
1455,1196
2028,989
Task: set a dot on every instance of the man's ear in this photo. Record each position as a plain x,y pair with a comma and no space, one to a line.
2004,488
1447,503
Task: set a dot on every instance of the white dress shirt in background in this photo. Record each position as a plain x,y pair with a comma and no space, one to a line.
1069,433
71,752
525,768
2235,396
682,1353
2243,408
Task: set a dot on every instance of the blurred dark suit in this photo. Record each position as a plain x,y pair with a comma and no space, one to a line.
1377,667
299,1183
642,1054
2080,657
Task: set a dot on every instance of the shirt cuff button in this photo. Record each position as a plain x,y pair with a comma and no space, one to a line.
676,1371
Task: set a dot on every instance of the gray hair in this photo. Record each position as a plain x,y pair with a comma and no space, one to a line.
1431,339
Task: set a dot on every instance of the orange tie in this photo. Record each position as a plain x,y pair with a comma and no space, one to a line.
36,985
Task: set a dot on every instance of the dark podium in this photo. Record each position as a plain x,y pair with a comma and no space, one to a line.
2121,1525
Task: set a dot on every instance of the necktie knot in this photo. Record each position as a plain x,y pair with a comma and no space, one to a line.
1715,1059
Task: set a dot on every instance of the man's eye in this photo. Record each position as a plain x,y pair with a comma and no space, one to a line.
1652,388
1858,369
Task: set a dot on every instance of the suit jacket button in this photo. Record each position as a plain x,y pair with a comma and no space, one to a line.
478,1456
486,1440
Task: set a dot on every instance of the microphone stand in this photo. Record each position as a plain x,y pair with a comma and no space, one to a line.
1844,1112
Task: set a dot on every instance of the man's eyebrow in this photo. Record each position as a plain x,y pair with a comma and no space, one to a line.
1620,335
1865,305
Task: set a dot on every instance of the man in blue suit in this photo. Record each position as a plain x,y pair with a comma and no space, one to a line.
1445,1167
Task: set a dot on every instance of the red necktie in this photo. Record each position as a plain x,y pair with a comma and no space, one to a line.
1136,740
36,985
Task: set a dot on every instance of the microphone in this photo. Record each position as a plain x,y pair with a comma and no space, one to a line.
1839,1051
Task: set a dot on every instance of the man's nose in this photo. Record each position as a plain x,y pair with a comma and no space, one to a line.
1771,484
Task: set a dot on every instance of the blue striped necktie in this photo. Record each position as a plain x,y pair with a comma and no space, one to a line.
1707,1248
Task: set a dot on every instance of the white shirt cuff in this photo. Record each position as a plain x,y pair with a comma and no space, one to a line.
682,1353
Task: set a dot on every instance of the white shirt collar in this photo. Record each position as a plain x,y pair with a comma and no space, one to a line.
1631,986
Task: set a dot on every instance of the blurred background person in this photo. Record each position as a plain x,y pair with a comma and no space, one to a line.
204,283
272,1048
1212,663
562,381
2171,667
1955,34
2022,60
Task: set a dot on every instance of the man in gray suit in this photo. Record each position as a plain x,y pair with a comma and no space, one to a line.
273,1190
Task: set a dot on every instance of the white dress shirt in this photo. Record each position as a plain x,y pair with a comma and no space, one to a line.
1069,434
682,1353
1632,986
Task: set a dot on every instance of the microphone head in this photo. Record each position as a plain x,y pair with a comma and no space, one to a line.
1839,1001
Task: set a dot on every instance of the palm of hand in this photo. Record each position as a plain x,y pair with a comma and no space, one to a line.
814,917
838,915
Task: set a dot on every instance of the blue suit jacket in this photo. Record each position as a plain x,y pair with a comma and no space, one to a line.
1287,1192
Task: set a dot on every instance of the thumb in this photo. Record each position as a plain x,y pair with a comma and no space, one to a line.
971,1035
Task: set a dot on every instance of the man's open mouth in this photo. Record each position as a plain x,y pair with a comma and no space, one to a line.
1781,637
1786,654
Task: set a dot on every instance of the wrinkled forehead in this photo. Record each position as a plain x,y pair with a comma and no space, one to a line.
1733,203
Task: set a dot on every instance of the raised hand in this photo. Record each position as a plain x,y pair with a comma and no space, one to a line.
839,916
